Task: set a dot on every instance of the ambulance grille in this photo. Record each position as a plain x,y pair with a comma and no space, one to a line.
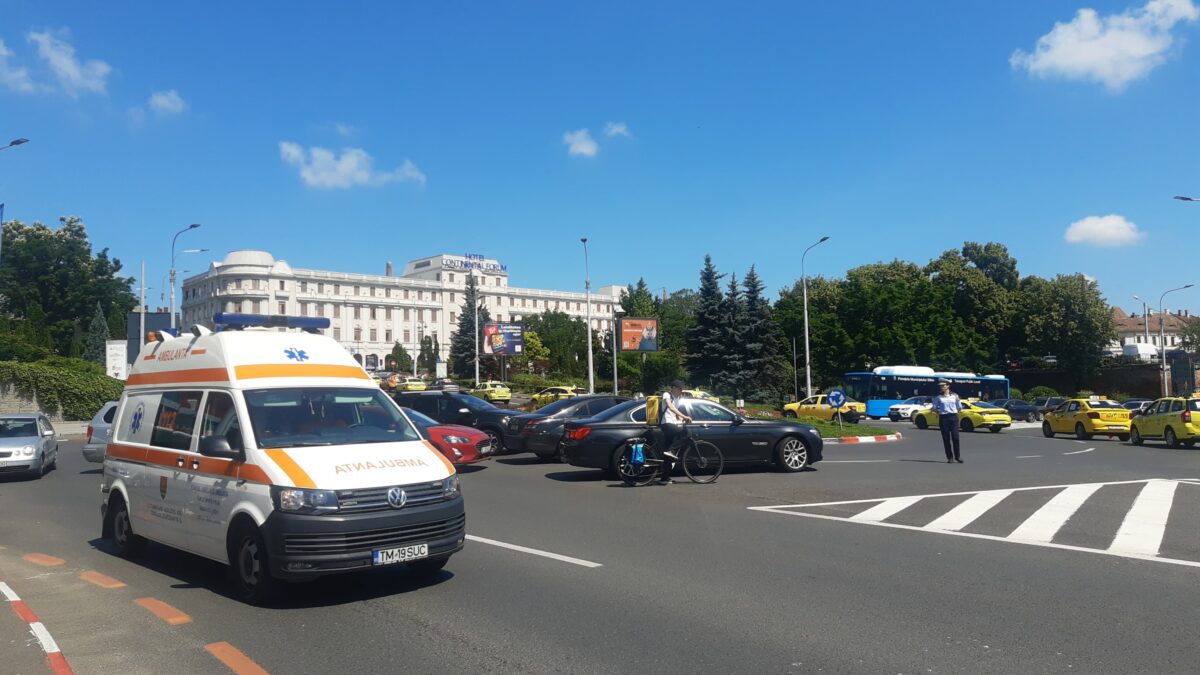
366,540
375,499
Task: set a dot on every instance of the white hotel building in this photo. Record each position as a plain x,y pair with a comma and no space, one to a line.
369,313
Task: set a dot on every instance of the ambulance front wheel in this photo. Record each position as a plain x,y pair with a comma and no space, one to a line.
248,563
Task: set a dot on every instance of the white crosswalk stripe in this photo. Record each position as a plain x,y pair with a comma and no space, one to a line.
1053,516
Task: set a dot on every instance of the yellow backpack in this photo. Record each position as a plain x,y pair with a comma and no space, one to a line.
654,410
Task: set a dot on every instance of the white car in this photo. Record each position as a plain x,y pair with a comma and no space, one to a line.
98,430
904,410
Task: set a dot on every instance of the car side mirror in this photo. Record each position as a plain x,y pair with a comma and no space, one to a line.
48,433
464,411
738,419
218,446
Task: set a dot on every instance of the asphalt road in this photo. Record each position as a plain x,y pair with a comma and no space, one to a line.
740,576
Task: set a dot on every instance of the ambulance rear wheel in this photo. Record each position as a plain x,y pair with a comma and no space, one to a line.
252,580
428,567
125,542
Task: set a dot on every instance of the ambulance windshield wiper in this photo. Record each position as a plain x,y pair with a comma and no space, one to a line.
305,444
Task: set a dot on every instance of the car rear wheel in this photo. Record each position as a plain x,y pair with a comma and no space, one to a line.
495,440
968,426
995,430
791,455
1135,436
1047,431
1170,437
920,421
125,542
1031,417
1081,433
791,414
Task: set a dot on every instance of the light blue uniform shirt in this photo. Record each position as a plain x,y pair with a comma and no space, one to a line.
947,405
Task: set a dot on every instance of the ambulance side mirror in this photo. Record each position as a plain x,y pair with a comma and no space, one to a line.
218,446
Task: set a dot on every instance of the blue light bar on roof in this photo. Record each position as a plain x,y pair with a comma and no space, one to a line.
232,321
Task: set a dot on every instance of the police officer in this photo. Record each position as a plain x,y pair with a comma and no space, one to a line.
947,405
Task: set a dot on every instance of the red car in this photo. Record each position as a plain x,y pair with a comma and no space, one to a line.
460,445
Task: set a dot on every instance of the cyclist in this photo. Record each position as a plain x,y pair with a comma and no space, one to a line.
673,431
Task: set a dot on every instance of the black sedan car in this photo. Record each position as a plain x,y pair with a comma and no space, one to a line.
541,431
450,407
1020,411
1045,404
1136,406
597,442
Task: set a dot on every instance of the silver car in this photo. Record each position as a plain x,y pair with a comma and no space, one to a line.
28,444
98,432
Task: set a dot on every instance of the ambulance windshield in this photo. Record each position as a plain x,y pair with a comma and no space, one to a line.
313,416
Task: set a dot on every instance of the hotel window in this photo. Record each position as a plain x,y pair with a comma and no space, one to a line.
372,335
357,312
357,334
337,311
433,295
373,313
387,313
337,333
452,277
320,309
387,292
451,317
304,309
406,294
406,314
387,335
321,287
407,336
337,289
451,297
303,286
282,285
433,315
357,290
283,308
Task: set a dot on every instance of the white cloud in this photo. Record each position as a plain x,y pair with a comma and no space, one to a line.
323,168
1110,230
1113,50
167,102
613,129
73,76
580,143
345,130
13,77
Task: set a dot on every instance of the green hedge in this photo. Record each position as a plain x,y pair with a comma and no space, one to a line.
78,394
524,382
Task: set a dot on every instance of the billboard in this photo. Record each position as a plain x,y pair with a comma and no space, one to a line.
639,335
503,338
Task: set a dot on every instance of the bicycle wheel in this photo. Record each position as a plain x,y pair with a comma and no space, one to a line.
702,461
637,475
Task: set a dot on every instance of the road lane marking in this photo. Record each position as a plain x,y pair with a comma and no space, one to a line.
164,611
1027,456
965,513
58,662
42,559
534,551
234,659
1079,452
886,509
1146,522
1048,520
101,580
855,461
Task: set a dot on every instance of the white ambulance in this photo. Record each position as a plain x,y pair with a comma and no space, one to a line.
273,452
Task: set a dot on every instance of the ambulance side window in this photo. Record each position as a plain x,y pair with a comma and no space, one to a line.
135,424
176,420
221,419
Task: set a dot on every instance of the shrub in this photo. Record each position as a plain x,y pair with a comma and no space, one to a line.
1083,393
1119,396
1041,391
1013,392
78,394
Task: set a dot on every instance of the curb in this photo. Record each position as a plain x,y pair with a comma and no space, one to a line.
54,655
864,439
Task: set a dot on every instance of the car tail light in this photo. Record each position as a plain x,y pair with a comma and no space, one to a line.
1186,417
1094,415
579,434
89,440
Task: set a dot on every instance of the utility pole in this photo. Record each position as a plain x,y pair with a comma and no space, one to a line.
587,286
616,326
142,312
475,302
804,282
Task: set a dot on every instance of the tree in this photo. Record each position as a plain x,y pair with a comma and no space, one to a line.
533,352
56,271
705,341
638,301
759,342
1190,335
95,346
676,316
1068,317
732,376
401,359
467,339
994,262
565,338
427,356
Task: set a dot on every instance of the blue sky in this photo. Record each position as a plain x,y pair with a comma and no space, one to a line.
340,136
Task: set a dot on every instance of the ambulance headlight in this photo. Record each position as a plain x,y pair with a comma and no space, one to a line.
297,500
450,487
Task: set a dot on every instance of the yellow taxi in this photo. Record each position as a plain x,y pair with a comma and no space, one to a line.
411,384
974,415
493,392
701,394
552,394
1087,417
1175,420
817,407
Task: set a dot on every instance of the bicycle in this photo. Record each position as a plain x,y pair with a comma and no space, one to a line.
702,461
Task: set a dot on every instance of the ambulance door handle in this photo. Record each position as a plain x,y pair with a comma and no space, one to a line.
179,461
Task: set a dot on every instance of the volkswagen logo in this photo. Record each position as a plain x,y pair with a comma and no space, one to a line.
397,498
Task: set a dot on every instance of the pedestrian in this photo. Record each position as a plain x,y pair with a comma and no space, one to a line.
947,405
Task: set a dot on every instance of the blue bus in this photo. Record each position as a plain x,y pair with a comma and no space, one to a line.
886,386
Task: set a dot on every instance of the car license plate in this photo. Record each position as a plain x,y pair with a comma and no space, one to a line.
388,556
1115,426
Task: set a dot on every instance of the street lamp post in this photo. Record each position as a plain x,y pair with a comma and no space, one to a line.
1162,337
475,301
1145,316
616,326
587,287
804,283
14,143
173,239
